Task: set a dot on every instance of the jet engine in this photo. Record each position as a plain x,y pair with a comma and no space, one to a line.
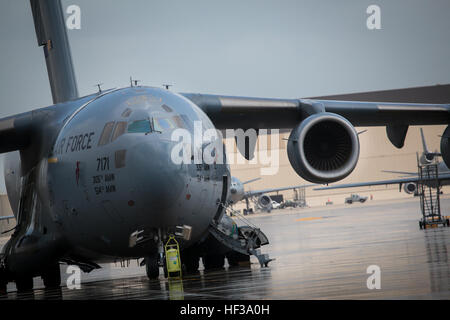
410,188
323,148
427,158
265,202
445,146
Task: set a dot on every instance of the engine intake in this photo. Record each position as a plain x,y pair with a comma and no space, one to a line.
323,148
410,188
265,202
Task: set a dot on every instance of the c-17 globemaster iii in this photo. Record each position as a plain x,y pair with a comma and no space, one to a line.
92,180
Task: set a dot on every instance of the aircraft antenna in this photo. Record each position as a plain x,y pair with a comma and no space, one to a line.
134,81
98,85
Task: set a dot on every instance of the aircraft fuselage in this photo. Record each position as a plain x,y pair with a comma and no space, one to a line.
110,173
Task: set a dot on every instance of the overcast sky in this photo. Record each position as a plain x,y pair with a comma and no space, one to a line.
258,48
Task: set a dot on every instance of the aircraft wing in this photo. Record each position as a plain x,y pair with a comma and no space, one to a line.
229,112
7,218
255,193
382,182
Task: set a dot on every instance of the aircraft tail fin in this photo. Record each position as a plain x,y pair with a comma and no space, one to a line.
424,143
429,156
51,33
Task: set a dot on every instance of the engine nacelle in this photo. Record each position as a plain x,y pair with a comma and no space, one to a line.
426,158
323,148
445,146
265,202
410,188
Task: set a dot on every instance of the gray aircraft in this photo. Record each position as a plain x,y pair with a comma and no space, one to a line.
91,179
409,184
238,193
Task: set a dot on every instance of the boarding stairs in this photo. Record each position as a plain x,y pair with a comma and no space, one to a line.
246,239
429,190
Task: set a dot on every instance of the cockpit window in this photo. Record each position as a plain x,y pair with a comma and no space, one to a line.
139,126
106,133
127,112
179,122
166,108
187,122
119,130
169,123
162,124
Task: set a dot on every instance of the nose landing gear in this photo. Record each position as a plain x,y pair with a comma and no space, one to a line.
152,265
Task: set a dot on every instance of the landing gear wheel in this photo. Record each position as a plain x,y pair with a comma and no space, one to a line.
24,284
152,267
213,261
236,259
52,276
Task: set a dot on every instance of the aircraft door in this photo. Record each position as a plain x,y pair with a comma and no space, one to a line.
223,199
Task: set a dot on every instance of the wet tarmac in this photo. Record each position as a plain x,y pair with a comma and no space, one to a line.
321,253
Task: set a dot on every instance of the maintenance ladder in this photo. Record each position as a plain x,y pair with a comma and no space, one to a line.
429,190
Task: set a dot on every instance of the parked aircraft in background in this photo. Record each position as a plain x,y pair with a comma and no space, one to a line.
409,184
260,197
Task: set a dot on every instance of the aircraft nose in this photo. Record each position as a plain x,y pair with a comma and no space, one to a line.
156,181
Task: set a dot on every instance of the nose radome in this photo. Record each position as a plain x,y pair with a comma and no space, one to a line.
157,181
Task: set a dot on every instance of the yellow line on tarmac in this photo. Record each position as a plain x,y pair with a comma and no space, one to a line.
309,219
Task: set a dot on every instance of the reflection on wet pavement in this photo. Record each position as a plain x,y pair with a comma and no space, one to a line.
320,254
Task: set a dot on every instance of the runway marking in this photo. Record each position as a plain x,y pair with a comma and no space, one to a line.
309,219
